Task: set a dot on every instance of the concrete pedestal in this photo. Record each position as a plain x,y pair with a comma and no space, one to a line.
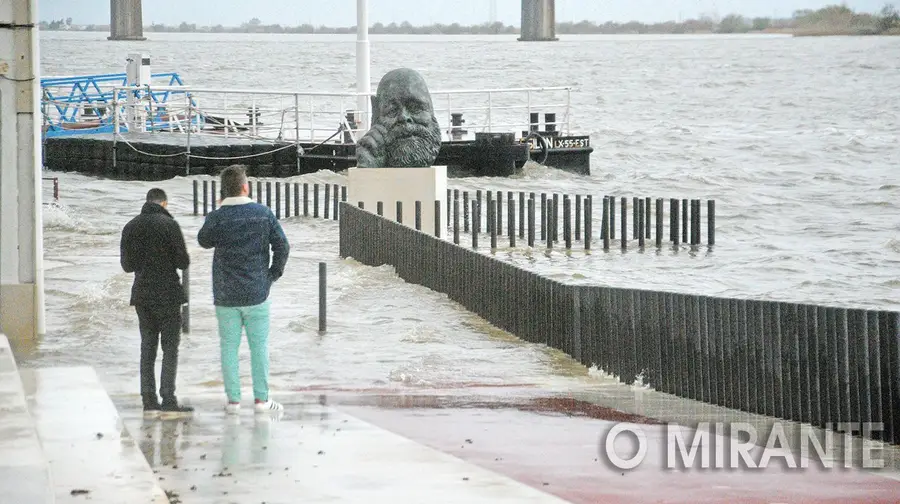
407,185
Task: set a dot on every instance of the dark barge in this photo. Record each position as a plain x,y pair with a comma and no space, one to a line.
162,155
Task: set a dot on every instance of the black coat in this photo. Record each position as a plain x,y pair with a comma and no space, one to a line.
153,248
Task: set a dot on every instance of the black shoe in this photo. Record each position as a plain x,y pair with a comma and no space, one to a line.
151,411
175,410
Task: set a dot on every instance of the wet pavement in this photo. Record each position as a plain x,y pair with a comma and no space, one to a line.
474,444
310,453
92,457
497,445
24,472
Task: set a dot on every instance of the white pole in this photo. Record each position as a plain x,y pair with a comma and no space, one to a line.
21,233
38,161
363,73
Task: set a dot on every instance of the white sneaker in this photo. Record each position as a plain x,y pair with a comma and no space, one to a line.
233,409
269,406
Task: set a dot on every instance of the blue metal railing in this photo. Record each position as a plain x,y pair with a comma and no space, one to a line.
66,99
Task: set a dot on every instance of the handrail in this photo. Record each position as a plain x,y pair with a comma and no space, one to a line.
188,89
303,114
74,79
335,93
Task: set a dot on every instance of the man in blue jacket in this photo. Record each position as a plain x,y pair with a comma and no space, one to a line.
243,233
152,247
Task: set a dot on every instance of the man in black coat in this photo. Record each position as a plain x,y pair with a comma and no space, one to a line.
153,248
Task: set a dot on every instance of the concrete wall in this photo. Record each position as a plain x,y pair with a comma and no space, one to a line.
126,20
538,20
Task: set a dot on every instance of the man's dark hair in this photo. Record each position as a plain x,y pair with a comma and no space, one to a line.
156,195
233,179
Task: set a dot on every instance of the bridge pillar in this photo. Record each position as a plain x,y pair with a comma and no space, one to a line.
538,20
21,231
126,20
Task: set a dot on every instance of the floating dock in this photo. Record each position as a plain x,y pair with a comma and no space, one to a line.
159,155
151,126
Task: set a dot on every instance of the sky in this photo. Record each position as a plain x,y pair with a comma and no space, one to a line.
422,12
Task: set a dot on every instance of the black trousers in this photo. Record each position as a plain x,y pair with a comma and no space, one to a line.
160,325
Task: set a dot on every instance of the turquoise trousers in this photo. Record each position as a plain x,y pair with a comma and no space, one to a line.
232,321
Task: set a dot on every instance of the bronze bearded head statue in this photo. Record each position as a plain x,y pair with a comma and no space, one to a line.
405,133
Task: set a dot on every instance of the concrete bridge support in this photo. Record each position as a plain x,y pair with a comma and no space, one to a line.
538,20
126,20
21,233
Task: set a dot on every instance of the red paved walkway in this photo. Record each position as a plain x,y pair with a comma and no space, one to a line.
541,444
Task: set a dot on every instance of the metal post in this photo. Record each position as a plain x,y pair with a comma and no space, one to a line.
116,128
322,297
187,154
296,129
186,307
363,76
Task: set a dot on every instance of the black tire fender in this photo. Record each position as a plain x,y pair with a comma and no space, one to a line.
544,144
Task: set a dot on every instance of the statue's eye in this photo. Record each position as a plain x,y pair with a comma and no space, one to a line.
414,106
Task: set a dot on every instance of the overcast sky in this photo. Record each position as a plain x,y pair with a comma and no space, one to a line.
419,12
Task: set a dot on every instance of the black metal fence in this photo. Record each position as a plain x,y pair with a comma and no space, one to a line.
825,366
552,218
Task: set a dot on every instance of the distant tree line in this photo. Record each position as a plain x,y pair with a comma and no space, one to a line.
833,19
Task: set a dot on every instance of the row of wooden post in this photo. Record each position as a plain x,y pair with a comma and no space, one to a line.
521,216
333,195
684,214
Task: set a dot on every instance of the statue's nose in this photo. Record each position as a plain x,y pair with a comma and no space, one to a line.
406,116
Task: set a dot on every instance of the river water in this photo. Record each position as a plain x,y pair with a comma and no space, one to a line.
796,139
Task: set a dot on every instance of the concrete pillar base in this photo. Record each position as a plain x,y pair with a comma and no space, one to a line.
407,185
17,313
138,38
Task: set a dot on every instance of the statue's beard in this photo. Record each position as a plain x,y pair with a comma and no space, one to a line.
409,145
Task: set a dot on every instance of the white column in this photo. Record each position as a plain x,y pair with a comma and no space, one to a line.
363,72
21,233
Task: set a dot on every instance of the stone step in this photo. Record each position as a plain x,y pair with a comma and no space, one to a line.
91,454
24,471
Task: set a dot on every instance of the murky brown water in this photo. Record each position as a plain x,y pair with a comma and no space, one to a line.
796,139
